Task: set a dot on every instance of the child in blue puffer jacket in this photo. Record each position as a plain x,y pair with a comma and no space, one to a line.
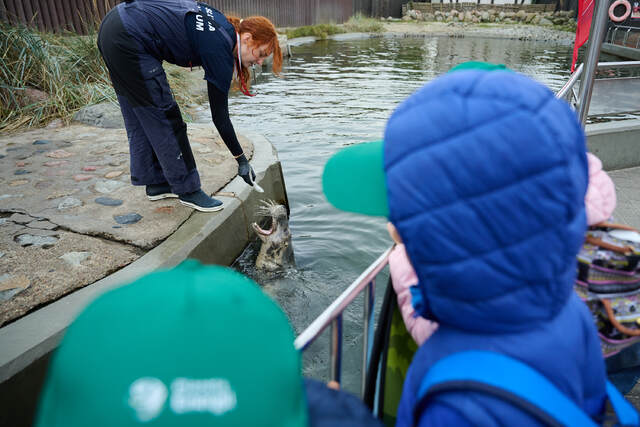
483,174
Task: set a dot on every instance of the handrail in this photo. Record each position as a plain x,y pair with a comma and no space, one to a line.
562,93
591,58
566,88
613,33
332,315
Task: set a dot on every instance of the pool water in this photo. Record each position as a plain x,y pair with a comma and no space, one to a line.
333,94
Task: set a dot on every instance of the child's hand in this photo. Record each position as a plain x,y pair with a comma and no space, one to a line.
334,385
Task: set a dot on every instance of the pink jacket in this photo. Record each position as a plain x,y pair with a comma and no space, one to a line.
403,276
600,200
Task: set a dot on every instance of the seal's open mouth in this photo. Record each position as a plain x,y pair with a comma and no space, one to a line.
262,231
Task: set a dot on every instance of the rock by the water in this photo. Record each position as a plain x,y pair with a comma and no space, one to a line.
113,174
105,115
108,201
108,186
55,163
82,177
69,202
75,258
130,218
42,225
31,240
19,218
59,154
11,285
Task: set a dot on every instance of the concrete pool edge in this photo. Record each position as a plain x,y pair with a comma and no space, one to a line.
616,143
212,238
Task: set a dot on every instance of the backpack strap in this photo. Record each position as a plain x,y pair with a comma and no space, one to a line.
514,382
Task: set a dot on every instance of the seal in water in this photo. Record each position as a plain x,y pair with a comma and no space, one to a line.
276,251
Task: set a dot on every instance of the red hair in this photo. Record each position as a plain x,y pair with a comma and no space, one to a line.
263,33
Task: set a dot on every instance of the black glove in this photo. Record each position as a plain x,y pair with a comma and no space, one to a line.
245,169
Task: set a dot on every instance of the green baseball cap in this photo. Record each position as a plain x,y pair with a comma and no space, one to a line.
192,346
354,178
478,65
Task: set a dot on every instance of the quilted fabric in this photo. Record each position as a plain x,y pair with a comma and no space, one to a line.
486,176
487,191
600,200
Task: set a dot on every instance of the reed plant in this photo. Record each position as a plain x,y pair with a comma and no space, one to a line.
359,23
321,31
51,76
45,76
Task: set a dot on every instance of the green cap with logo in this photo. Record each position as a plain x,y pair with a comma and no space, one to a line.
192,346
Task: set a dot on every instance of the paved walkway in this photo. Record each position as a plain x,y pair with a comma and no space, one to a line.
69,215
628,195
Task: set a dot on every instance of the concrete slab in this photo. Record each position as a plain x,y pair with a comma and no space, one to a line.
616,143
67,191
217,238
627,183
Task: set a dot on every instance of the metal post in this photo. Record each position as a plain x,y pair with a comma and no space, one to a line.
335,358
369,301
596,35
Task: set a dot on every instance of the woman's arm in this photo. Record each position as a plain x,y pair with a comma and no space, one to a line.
219,104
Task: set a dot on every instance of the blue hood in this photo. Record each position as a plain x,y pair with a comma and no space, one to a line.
486,176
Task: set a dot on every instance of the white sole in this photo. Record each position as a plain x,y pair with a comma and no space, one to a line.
200,208
163,196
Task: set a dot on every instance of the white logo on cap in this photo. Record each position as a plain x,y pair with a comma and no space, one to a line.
211,395
147,396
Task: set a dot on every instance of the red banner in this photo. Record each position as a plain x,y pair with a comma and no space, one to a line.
585,12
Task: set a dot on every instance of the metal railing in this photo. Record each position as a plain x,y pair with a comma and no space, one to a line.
587,70
626,31
332,315
567,93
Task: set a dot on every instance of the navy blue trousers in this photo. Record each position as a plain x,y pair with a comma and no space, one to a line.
158,142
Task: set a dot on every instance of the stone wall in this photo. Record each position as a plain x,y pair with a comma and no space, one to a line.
536,14
464,6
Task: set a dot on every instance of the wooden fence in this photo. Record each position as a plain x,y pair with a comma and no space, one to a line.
81,16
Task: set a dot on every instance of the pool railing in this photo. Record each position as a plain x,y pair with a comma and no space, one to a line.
332,315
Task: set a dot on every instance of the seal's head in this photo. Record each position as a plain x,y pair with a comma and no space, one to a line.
276,250
278,215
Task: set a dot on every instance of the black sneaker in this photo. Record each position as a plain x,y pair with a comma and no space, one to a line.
199,201
159,192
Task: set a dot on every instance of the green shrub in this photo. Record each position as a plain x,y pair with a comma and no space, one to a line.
361,24
322,31
67,70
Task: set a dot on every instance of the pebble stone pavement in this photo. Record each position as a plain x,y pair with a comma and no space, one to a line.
69,215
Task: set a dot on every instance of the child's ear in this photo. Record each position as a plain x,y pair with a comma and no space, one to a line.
393,232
